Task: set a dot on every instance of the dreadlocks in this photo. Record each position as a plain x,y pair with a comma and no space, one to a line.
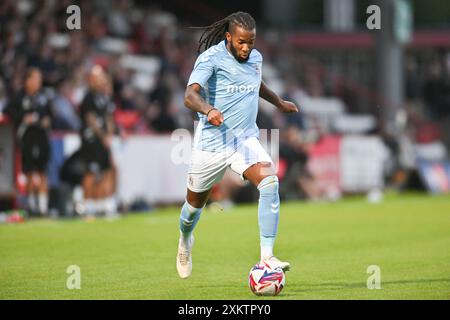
215,32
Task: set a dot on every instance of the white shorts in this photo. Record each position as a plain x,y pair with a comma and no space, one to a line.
207,168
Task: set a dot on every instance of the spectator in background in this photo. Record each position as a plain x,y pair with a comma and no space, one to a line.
435,91
437,96
293,92
99,180
118,19
413,85
30,112
30,47
162,119
3,98
46,63
298,182
63,110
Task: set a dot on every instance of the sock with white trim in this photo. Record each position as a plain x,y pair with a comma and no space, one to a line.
43,203
268,214
188,220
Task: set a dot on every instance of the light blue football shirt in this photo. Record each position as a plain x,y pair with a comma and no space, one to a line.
231,87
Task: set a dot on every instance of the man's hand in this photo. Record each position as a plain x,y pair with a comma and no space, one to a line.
30,118
284,106
107,141
287,107
215,117
45,122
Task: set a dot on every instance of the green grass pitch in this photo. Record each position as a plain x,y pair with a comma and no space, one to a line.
329,246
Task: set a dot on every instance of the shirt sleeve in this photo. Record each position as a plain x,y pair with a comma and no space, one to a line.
14,110
203,70
46,106
87,105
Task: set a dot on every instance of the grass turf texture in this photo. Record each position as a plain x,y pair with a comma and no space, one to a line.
329,246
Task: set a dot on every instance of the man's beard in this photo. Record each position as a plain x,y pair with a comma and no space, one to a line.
236,56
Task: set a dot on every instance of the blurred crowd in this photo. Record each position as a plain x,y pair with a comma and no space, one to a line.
148,55
34,33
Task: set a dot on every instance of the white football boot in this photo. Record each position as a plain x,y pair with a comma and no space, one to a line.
184,257
274,262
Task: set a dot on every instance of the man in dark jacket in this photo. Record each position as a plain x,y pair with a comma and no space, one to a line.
99,181
30,112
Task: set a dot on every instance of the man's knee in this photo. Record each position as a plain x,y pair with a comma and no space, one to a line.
269,185
197,199
258,172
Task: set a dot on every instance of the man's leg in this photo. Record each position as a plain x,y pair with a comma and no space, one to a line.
31,189
89,193
43,194
205,170
262,175
190,214
191,210
105,189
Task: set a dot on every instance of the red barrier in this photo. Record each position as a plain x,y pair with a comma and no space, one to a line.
324,162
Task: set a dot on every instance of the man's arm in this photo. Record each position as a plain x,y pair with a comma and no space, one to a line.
194,101
91,121
110,125
89,117
267,94
110,128
46,118
15,113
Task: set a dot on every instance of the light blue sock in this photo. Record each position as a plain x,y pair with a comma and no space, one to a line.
268,214
188,219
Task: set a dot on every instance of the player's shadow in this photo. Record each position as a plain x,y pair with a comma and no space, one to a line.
331,286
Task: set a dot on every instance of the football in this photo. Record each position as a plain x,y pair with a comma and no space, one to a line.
265,280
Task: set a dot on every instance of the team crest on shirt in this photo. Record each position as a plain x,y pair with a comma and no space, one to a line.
26,103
